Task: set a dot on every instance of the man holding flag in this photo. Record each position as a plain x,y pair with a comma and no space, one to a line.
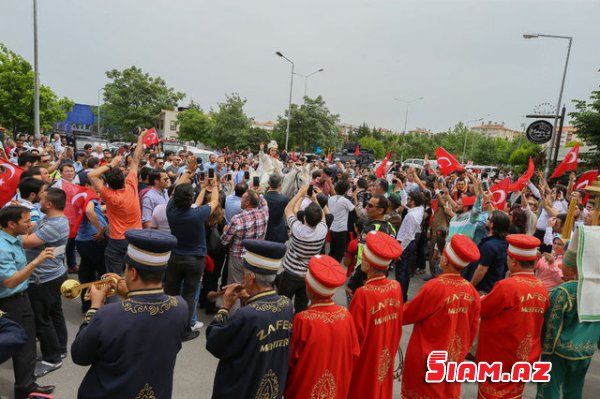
122,204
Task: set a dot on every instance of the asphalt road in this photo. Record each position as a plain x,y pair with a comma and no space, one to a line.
194,372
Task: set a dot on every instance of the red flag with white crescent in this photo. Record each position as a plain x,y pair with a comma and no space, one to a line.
522,181
380,171
357,151
585,180
10,176
568,164
77,200
500,193
446,162
151,138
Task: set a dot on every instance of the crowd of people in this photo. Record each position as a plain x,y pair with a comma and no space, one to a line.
176,234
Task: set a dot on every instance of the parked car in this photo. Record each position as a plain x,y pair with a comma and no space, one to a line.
78,142
418,163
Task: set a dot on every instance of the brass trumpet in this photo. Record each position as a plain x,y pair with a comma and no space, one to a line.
72,288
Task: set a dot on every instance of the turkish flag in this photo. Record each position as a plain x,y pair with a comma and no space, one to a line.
357,151
330,157
568,164
77,200
500,193
585,180
151,138
522,181
380,172
10,176
446,162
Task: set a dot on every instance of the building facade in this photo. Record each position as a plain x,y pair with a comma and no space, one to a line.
495,130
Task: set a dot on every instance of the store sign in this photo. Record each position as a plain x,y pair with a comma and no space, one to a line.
539,132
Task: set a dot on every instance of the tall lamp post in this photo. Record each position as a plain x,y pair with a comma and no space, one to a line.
99,131
464,154
36,79
407,104
287,129
562,86
308,76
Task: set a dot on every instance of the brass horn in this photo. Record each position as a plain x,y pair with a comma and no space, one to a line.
72,288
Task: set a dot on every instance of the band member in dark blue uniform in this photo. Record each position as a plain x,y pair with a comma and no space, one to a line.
12,337
132,345
253,345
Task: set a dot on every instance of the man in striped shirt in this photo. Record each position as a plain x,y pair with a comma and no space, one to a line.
307,239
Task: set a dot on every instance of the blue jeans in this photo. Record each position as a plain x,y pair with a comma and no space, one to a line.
196,298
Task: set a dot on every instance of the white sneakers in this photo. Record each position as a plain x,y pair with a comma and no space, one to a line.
197,326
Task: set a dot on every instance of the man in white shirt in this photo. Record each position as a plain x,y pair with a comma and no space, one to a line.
340,207
407,236
99,151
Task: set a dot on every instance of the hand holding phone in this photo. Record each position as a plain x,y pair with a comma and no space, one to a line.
246,175
310,190
211,173
256,181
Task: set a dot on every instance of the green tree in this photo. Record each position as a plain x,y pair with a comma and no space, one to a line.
373,144
360,132
17,95
195,126
311,123
251,138
230,122
520,156
135,98
587,121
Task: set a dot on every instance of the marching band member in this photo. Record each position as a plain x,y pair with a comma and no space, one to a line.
253,345
132,345
324,341
376,309
512,315
445,313
566,342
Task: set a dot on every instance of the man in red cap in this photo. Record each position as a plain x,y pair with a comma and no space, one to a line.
445,313
376,309
512,315
324,342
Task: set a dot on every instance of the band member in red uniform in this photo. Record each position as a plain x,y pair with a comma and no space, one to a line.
324,342
512,315
445,313
376,309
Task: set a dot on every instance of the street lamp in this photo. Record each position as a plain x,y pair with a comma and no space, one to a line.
99,90
467,135
36,78
287,129
308,76
407,104
562,86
